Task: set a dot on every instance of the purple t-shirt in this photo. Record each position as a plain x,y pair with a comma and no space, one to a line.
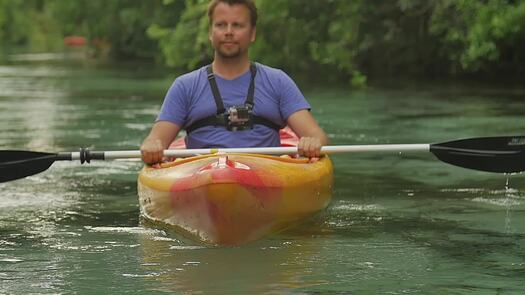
190,99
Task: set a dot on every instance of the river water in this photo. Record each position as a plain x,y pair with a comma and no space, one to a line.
398,223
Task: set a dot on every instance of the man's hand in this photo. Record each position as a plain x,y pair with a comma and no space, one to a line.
152,151
159,138
312,137
310,147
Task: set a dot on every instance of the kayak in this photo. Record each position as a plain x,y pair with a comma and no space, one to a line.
234,199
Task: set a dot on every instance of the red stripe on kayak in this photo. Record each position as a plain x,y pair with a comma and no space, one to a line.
190,200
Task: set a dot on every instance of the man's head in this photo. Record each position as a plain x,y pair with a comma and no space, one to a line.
248,3
232,27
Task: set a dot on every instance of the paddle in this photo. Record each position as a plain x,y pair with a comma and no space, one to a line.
491,154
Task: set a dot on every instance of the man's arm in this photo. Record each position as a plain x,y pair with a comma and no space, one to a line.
160,137
312,137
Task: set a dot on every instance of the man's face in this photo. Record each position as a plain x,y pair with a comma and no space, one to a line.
231,32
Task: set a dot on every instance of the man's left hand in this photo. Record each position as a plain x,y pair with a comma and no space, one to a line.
309,147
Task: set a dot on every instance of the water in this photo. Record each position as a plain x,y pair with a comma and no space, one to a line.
398,223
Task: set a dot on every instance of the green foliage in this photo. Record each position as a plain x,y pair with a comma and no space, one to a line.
185,45
493,37
481,36
27,24
118,26
334,39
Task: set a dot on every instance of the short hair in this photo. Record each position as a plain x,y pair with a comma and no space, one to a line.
248,3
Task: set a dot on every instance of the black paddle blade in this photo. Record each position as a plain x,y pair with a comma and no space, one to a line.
491,154
19,164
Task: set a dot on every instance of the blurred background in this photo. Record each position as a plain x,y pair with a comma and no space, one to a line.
352,42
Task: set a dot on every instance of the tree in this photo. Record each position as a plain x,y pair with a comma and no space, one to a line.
334,39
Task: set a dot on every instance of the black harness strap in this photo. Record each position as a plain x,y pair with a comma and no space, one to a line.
263,121
218,120
217,95
251,89
215,91
221,118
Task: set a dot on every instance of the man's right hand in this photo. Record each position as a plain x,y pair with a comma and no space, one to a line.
152,151
159,138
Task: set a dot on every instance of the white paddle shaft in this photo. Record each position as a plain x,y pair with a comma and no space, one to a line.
395,148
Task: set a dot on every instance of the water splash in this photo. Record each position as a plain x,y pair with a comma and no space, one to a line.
508,208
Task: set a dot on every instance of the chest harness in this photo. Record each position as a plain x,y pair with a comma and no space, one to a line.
236,118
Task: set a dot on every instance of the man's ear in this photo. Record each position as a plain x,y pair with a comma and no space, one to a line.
254,34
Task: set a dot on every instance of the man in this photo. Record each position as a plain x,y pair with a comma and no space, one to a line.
233,102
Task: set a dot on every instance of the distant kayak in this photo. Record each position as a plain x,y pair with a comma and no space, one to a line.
74,41
236,198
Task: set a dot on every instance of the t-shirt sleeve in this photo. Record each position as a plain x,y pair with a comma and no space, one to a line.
292,100
174,107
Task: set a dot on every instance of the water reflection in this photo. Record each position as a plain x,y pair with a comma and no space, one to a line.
32,104
262,268
29,82
41,57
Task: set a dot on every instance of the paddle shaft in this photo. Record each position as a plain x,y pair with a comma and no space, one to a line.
396,148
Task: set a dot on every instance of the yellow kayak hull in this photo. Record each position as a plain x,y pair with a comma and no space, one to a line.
236,198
